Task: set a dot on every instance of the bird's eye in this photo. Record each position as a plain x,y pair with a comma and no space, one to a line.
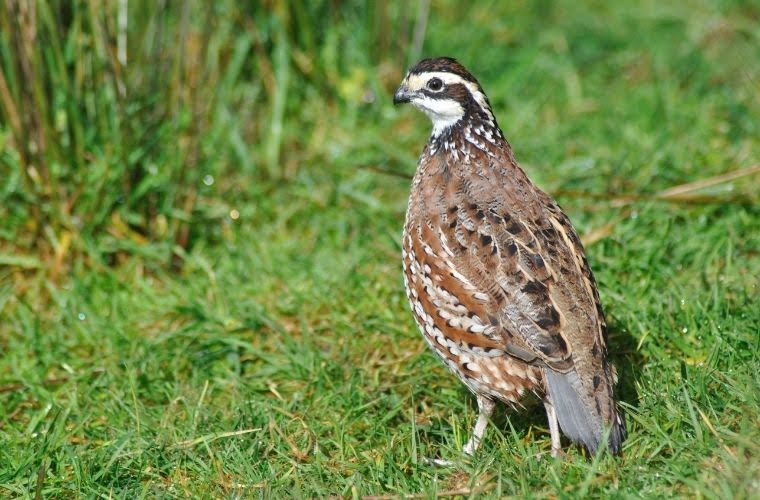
435,84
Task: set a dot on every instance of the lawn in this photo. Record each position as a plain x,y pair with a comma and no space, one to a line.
200,220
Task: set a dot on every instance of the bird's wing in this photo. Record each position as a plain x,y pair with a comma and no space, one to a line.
516,267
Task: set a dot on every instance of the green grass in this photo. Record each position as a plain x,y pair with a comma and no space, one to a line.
169,334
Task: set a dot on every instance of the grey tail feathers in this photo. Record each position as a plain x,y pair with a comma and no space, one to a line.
578,421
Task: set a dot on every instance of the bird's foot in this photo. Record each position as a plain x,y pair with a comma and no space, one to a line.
439,462
467,454
470,446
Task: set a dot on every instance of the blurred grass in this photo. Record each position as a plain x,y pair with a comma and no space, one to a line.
200,287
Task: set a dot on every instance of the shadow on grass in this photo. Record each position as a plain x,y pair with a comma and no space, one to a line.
625,356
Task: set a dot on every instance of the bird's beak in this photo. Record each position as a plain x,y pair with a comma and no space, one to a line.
402,95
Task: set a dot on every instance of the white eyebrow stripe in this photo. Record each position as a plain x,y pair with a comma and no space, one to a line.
419,80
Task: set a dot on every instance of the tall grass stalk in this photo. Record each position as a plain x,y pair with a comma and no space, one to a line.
126,123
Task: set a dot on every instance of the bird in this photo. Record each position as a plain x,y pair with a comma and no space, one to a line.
496,275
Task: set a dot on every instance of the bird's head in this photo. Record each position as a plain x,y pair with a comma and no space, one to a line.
446,92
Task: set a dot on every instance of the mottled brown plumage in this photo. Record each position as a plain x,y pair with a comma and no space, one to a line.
495,273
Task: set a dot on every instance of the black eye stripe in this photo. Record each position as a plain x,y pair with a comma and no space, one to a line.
439,96
454,91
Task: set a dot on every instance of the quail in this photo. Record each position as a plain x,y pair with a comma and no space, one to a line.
495,274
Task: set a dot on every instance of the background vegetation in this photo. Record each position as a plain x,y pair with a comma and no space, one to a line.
201,206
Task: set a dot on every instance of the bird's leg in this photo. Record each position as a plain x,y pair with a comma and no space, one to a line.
485,409
551,414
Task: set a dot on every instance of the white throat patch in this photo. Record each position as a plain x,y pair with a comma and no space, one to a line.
442,112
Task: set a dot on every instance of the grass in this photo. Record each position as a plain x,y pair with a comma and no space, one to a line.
200,286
